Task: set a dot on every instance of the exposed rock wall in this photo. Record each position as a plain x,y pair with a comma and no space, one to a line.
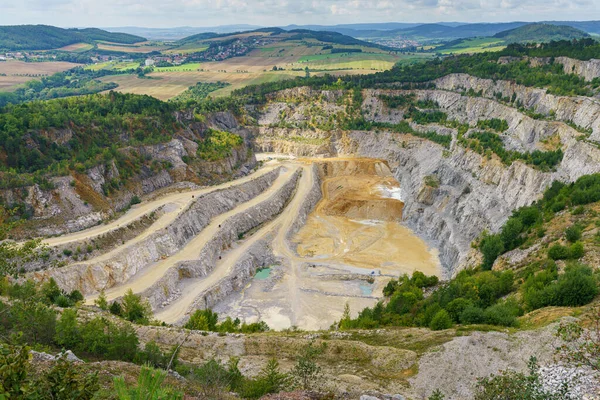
310,202
81,200
582,111
258,255
588,70
94,276
474,193
166,289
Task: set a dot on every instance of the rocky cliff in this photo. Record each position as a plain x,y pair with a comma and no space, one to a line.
72,203
475,192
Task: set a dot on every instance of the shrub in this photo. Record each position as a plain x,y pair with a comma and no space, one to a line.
456,307
558,252
441,321
76,296
501,314
134,200
472,315
63,301
576,251
307,372
116,309
203,320
573,233
150,386
576,287
516,385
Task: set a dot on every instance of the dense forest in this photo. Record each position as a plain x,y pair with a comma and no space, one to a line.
97,124
583,49
44,37
541,33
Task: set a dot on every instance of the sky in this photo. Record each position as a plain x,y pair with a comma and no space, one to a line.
203,13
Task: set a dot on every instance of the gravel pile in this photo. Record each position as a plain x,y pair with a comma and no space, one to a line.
582,383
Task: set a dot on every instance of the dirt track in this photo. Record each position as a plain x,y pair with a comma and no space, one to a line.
177,201
151,274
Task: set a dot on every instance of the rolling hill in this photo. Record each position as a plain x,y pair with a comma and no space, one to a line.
45,37
280,35
540,33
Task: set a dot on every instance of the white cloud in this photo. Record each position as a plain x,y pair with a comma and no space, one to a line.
165,13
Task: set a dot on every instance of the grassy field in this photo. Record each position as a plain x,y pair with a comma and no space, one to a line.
366,61
179,68
114,65
18,72
143,47
476,45
77,47
165,85
187,49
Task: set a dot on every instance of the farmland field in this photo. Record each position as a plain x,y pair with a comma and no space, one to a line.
114,65
186,49
179,68
77,47
165,85
143,47
18,72
476,45
257,67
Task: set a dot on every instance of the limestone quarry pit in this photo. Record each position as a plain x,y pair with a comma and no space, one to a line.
350,246
290,244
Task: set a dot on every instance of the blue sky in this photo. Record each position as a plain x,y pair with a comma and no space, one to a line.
200,13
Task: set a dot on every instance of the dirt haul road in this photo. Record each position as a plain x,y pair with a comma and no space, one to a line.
191,251
177,311
174,204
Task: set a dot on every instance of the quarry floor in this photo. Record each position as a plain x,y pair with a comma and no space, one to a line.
347,249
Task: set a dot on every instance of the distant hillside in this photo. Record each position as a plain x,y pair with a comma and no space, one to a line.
44,37
283,35
540,33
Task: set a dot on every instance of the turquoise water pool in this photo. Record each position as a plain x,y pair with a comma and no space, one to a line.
366,289
263,274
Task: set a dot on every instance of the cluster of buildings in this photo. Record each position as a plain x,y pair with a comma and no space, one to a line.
398,43
176,59
21,55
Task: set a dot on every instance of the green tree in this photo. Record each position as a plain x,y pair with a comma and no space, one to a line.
275,381
67,330
203,320
150,386
491,247
441,321
101,301
135,309
307,372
